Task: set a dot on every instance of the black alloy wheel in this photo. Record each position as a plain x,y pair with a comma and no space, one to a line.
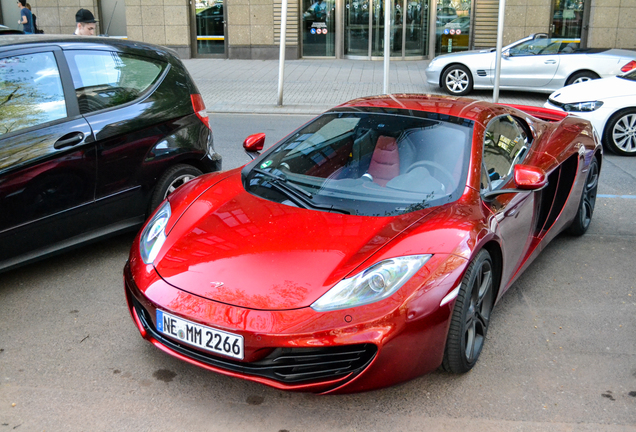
174,177
471,316
588,200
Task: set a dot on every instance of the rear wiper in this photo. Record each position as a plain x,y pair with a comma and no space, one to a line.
297,194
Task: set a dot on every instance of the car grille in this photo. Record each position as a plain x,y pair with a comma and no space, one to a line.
285,365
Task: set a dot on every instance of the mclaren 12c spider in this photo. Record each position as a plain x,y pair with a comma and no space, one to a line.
366,248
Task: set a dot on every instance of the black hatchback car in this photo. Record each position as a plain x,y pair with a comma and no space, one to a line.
94,134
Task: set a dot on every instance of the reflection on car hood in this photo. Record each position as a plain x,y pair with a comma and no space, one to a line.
233,247
600,89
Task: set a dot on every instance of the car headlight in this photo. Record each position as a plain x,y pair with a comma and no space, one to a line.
375,283
154,234
582,106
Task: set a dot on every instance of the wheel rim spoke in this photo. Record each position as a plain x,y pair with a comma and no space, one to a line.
624,133
478,313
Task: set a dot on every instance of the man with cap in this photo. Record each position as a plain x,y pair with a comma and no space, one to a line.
85,23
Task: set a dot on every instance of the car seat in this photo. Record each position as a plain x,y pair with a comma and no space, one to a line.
385,162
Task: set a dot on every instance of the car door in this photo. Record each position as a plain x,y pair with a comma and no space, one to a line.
111,89
530,64
505,145
47,156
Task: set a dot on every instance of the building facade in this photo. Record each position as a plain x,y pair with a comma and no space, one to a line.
420,29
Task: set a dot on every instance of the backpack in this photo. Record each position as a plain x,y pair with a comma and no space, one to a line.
35,26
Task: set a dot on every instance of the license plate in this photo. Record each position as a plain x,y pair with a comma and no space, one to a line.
206,338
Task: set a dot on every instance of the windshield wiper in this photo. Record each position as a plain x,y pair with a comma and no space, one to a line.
297,194
284,181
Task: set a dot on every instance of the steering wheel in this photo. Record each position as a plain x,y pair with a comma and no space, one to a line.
443,170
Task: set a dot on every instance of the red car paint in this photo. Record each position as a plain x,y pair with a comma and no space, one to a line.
247,265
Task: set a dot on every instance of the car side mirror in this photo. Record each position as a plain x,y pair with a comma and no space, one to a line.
526,178
505,54
529,177
253,144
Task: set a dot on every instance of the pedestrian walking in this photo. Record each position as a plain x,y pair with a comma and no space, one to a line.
36,30
26,18
85,23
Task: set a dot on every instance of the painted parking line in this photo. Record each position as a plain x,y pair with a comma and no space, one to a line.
616,196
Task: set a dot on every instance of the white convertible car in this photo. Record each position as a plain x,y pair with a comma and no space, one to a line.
535,63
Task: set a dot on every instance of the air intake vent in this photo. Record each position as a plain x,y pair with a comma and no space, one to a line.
286,365
482,73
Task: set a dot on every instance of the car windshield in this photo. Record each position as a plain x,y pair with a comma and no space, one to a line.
367,163
631,75
544,46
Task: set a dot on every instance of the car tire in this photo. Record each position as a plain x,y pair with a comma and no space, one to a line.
580,77
457,80
620,133
471,315
588,200
170,180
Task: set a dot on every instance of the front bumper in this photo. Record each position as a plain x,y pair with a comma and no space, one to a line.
304,350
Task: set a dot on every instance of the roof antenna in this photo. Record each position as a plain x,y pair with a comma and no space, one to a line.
110,20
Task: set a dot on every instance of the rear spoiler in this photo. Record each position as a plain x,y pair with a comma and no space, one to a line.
546,114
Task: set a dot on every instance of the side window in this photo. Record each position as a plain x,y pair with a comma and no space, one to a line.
532,47
30,91
105,79
505,144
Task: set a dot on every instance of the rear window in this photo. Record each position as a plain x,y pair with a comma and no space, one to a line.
104,79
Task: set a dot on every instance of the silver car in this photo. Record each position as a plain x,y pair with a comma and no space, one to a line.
535,63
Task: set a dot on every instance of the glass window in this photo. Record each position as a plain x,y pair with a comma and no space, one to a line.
319,28
367,163
105,79
505,145
452,26
30,91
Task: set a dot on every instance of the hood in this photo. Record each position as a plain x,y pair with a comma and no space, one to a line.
599,89
236,248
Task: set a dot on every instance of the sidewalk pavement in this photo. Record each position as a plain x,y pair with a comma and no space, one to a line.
314,86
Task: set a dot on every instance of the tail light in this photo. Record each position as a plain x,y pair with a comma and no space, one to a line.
629,66
199,109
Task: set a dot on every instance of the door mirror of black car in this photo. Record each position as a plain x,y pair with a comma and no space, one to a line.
526,178
253,144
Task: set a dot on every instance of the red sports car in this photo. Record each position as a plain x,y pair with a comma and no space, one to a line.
366,248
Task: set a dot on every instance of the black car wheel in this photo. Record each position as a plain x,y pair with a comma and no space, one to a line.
471,316
457,80
174,177
580,77
586,208
620,133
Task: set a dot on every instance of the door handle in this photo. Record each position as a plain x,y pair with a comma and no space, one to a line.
550,62
69,140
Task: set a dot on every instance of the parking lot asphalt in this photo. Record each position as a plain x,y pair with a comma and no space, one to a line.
314,86
560,353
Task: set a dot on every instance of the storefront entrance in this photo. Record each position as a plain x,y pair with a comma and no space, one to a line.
209,32
363,31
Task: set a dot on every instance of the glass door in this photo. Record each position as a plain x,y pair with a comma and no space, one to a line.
416,28
453,26
364,28
210,28
357,27
567,19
